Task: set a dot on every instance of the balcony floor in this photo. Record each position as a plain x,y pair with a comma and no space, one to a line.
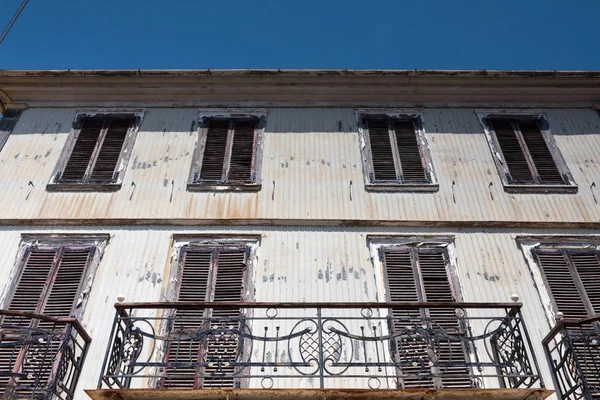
318,394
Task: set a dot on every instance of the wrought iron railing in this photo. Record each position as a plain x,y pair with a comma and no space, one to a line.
40,357
303,345
573,352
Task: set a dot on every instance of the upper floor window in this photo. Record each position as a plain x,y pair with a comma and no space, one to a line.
395,153
8,121
526,154
96,153
228,153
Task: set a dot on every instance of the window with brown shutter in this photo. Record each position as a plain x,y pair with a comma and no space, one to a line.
526,154
227,156
421,274
395,153
49,283
206,273
95,155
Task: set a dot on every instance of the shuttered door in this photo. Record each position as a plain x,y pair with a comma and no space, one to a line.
408,150
515,158
223,349
213,158
109,153
540,154
382,157
241,162
81,154
49,285
450,353
203,269
401,286
193,286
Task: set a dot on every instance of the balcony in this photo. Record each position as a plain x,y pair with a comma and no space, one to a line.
40,357
319,350
573,351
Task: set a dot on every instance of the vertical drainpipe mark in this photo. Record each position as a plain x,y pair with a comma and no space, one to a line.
134,186
592,186
273,194
490,189
172,187
350,190
453,197
340,125
30,189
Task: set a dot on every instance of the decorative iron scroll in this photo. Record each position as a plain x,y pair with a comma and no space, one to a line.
41,356
294,345
573,351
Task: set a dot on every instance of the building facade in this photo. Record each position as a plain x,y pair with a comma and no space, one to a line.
299,233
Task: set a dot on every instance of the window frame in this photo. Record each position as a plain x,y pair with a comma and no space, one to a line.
56,185
30,241
8,122
367,157
204,118
570,186
531,244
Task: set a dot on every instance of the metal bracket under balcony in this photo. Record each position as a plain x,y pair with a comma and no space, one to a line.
469,347
573,352
40,356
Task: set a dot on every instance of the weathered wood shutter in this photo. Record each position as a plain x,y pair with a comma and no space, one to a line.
382,156
528,159
80,157
213,159
409,152
97,150
420,275
110,150
229,151
49,284
207,274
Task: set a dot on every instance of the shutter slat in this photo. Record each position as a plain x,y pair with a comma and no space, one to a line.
411,161
213,158
108,156
381,151
240,165
81,154
540,154
513,153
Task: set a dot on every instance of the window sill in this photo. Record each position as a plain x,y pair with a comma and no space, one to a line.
546,189
82,187
234,187
402,187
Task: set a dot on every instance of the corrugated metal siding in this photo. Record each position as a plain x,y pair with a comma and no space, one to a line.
310,158
294,265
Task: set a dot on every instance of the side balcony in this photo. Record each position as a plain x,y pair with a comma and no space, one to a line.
41,357
316,350
573,352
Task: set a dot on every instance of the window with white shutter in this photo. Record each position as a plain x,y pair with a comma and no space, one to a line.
96,153
526,153
207,273
49,281
395,153
228,153
421,274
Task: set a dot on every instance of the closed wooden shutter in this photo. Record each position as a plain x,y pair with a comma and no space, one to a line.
587,266
49,284
110,150
515,157
242,151
80,157
545,166
382,156
206,275
97,150
409,152
213,159
420,275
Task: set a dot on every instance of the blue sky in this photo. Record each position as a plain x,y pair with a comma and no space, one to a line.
423,34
